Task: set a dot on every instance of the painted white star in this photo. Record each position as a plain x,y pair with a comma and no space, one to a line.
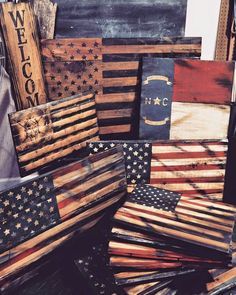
6,232
95,149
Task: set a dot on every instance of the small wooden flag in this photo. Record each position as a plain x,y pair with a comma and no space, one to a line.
185,99
40,214
47,133
21,38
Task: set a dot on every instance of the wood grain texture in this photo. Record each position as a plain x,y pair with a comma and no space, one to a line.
185,99
47,133
111,69
121,19
46,14
47,218
20,34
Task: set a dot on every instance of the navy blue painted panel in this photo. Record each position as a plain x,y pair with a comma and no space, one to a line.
155,112
120,18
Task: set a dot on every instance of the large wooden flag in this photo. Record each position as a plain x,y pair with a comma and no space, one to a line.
185,99
21,38
189,167
45,134
40,214
110,68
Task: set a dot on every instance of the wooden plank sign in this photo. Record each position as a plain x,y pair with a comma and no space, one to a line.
20,34
190,167
38,215
45,134
185,99
110,68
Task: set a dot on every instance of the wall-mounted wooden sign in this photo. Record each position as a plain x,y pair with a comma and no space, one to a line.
190,167
185,99
45,134
110,68
20,34
39,215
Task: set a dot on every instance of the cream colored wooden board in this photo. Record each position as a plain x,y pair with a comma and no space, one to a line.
199,121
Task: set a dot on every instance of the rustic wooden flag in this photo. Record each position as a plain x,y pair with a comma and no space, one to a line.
189,167
20,34
160,239
40,214
204,223
45,134
185,99
110,68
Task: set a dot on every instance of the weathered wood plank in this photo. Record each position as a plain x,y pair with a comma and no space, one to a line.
45,11
20,34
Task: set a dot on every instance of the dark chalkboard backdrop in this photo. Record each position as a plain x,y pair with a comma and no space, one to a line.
120,18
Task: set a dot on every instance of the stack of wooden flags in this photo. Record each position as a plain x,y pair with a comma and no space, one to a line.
159,236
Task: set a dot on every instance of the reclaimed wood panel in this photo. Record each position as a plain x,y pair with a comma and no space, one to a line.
191,167
185,99
47,133
125,19
46,12
111,69
20,34
40,214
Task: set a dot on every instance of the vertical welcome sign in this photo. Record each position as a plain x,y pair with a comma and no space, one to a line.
20,34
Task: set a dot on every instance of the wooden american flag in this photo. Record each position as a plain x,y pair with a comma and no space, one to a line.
157,231
39,215
46,134
190,167
110,68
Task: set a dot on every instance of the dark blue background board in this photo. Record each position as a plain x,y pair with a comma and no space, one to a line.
120,18
156,98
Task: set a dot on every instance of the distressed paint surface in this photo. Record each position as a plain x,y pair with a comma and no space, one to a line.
121,18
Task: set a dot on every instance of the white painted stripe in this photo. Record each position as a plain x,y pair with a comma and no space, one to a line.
191,161
188,148
199,121
188,174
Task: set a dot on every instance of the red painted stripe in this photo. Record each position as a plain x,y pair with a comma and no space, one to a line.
177,143
188,167
187,180
185,155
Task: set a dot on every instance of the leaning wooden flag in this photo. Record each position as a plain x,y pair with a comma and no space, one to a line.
21,38
187,166
110,68
185,99
40,214
45,134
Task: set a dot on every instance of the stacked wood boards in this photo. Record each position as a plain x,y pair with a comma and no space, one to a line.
159,236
